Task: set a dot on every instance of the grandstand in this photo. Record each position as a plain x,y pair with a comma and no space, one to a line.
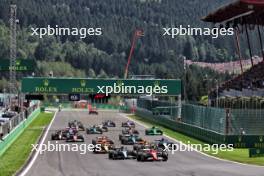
243,95
250,83
233,67
243,15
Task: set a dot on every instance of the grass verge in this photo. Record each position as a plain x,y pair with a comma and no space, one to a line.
17,154
238,155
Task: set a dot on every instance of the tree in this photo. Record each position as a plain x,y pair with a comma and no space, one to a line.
190,50
59,69
102,74
49,49
91,73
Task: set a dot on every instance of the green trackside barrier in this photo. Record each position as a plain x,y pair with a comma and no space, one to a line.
205,117
14,134
42,109
171,111
190,130
251,120
256,152
211,137
200,116
246,141
105,106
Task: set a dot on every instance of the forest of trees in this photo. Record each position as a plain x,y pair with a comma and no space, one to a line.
106,55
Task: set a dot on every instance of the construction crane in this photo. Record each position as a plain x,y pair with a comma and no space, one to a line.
13,89
137,34
13,49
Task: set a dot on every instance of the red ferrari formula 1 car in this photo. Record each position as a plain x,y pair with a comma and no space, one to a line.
92,110
152,155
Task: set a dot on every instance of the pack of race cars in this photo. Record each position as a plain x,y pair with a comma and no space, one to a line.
71,133
142,150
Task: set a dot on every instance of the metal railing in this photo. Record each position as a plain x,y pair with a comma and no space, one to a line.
8,126
227,121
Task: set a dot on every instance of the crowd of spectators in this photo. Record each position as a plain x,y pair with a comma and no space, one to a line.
252,79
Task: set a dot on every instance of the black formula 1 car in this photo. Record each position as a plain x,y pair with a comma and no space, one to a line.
131,140
74,137
164,143
62,134
76,124
128,132
93,111
109,123
121,153
129,123
152,155
59,135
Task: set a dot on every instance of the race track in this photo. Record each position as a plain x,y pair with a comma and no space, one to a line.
90,164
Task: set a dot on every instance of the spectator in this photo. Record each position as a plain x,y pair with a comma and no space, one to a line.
26,113
242,131
1,133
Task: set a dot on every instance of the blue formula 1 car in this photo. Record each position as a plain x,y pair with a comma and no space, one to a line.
121,153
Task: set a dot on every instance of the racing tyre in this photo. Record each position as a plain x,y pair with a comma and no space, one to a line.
138,158
82,138
142,158
165,158
110,156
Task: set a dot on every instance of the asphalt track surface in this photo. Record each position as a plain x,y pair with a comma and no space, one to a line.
90,164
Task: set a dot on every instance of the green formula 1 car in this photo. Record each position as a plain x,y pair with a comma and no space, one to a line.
153,131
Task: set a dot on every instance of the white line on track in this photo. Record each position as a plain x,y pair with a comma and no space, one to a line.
189,147
25,171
